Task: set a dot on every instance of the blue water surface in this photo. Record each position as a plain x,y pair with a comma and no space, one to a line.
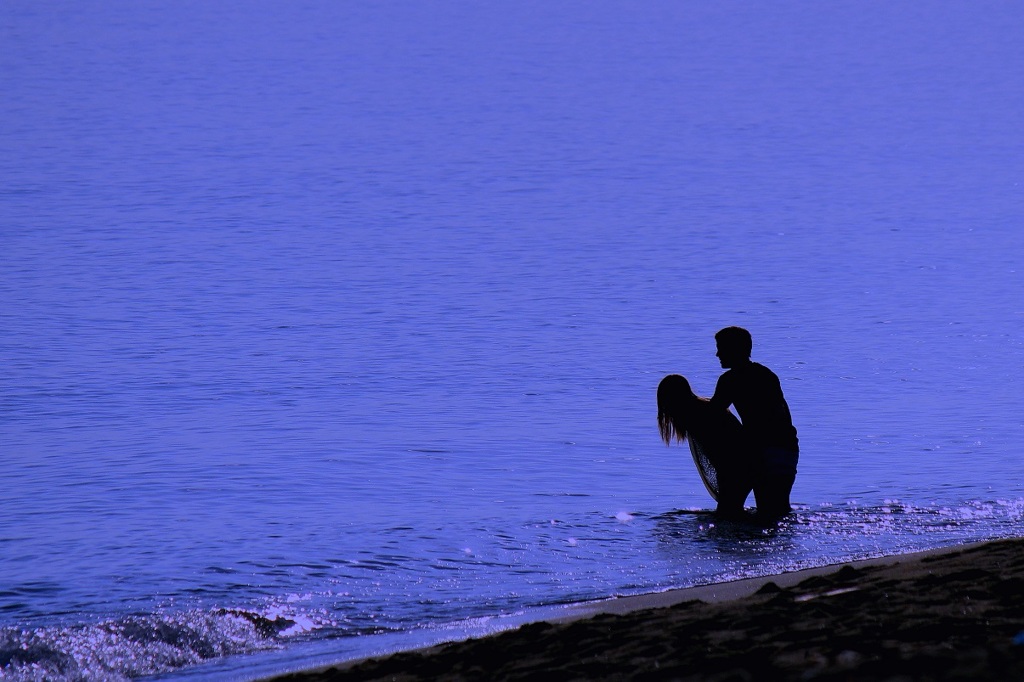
330,328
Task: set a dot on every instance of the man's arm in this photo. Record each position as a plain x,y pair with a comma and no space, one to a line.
722,398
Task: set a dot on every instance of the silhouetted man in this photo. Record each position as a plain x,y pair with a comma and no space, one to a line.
756,393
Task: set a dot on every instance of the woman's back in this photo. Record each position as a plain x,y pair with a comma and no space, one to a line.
720,435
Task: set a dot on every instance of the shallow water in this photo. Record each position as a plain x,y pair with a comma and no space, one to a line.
331,328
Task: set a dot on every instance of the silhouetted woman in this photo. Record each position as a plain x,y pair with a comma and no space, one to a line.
716,434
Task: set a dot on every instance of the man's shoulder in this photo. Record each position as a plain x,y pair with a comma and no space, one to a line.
752,374
749,368
761,369
729,376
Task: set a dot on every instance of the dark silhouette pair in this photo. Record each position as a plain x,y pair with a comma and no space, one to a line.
758,454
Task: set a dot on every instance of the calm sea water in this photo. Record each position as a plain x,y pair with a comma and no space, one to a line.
333,327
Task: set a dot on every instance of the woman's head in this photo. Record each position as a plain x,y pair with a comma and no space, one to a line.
674,400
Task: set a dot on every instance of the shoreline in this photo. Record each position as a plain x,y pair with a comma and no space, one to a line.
943,613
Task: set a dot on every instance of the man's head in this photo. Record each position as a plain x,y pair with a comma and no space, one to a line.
734,346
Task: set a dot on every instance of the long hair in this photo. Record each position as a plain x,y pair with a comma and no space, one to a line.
674,398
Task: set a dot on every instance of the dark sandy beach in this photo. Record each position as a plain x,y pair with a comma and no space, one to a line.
954,614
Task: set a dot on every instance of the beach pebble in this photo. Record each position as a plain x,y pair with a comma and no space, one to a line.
848,659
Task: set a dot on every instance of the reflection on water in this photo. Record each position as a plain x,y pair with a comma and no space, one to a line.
521,575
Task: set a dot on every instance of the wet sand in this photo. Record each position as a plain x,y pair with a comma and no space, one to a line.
953,614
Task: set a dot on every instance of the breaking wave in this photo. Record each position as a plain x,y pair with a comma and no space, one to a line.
145,644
